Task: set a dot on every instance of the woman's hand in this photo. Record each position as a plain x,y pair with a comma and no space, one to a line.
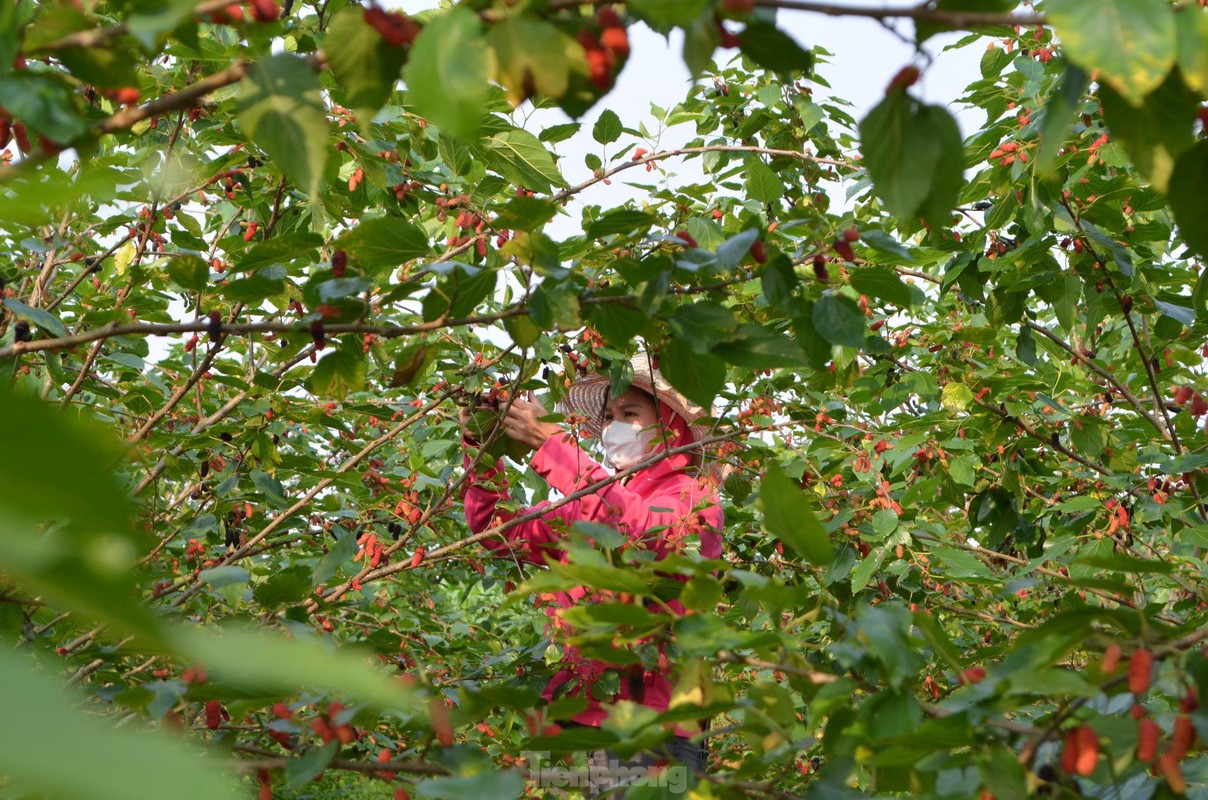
523,423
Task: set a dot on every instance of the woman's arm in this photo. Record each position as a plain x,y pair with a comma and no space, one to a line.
660,523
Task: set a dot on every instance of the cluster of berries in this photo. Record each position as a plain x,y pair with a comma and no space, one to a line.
603,51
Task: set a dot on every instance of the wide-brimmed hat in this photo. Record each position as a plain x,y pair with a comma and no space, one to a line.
589,395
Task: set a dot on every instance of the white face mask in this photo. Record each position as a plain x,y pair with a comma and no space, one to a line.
625,445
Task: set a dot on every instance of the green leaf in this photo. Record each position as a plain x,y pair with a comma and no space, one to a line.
108,763
152,26
553,307
283,665
956,397
523,331
287,586
446,73
733,251
607,128
1192,25
788,516
914,157
529,57
662,15
302,770
189,272
702,325
525,214
882,283
260,284
485,785
760,347
1131,42
1179,313
43,105
559,133
59,466
701,39
339,373
35,316
283,249
1188,200
1059,115
520,157
1156,132
101,66
839,320
773,49
762,183
779,282
281,109
620,220
384,242
700,377
364,65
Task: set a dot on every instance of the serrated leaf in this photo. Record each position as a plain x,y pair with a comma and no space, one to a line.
1156,132
283,249
559,133
914,156
45,321
521,158
384,242
762,183
787,515
364,65
839,320
882,283
956,397
699,376
281,109
1188,200
773,49
620,220
339,373
189,272
529,58
446,73
1131,42
662,15
109,763
607,128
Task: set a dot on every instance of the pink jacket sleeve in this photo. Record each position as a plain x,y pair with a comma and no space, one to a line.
531,540
662,522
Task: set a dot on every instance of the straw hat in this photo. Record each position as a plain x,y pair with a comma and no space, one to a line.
589,395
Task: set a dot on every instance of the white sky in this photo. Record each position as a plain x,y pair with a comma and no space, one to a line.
865,57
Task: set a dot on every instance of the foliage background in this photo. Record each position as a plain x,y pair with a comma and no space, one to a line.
253,274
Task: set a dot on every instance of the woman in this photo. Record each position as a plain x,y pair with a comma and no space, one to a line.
666,506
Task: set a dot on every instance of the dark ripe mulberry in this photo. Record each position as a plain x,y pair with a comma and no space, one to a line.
204,469
93,263
316,333
21,332
215,327
232,537
226,437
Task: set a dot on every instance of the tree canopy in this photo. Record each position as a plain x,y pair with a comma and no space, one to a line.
261,254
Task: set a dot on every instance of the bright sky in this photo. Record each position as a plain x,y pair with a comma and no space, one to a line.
865,56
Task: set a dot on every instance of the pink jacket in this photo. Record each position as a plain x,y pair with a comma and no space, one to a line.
664,494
